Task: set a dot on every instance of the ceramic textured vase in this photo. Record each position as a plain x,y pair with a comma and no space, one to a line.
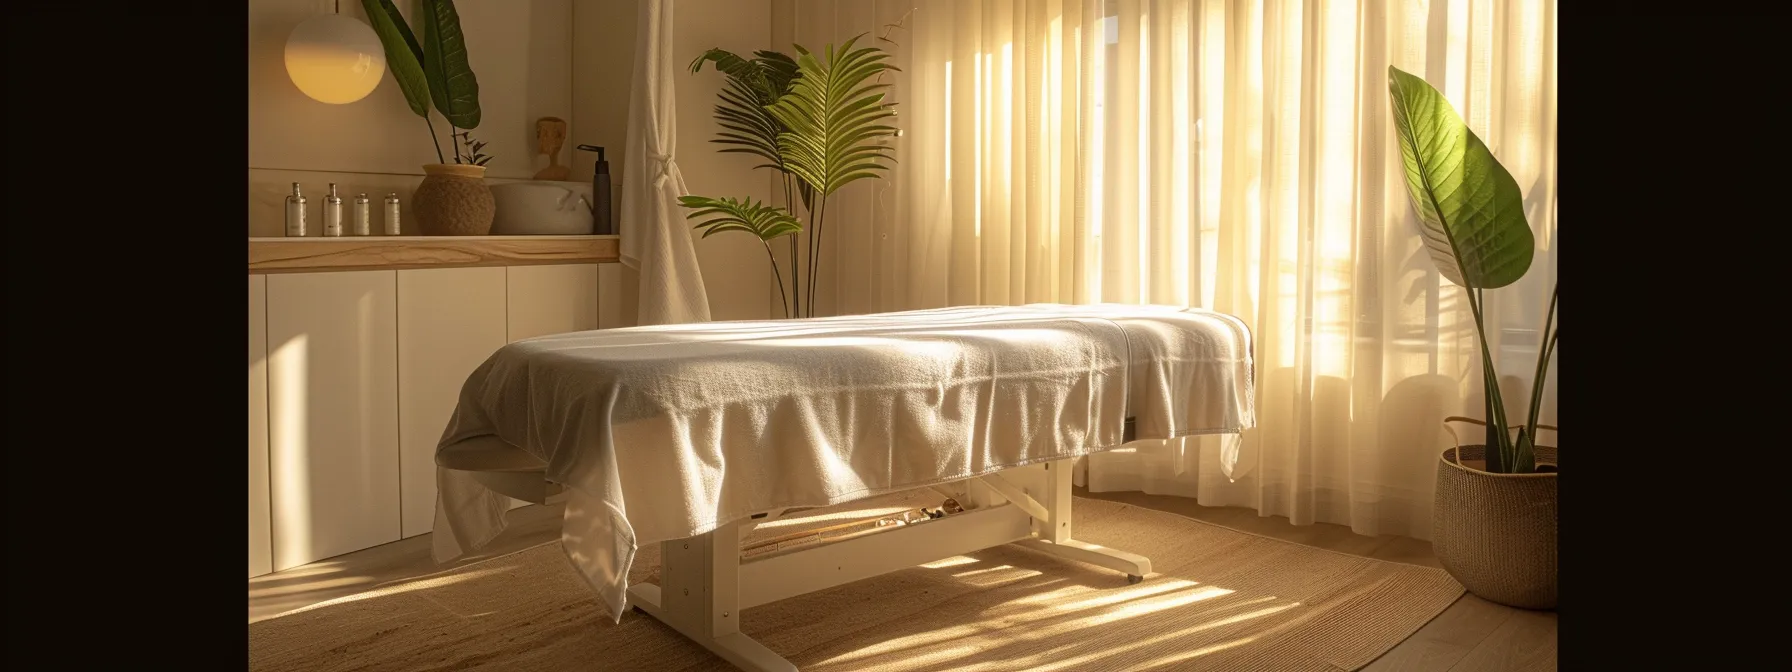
453,200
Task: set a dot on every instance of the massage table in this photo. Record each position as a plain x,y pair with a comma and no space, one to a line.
691,435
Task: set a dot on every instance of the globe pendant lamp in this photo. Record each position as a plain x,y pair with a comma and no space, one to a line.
335,59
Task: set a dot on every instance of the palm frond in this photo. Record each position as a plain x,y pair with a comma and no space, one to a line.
752,85
780,71
833,117
748,216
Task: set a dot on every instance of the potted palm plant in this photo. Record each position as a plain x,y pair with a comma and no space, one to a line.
1494,522
819,122
453,199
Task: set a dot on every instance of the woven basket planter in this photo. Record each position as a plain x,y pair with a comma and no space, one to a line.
1496,533
453,200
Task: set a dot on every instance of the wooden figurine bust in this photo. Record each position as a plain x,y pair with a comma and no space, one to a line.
550,136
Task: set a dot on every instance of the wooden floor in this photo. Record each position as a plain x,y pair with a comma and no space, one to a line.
1473,635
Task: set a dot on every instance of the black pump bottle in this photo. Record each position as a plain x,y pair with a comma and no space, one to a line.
601,217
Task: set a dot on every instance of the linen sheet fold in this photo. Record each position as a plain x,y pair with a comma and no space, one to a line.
671,431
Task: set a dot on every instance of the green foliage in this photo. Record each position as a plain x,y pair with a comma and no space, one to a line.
765,222
751,87
1471,218
451,82
473,155
403,55
818,121
1470,212
433,70
834,112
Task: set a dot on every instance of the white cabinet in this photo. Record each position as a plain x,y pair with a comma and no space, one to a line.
352,378
449,321
333,413
610,306
261,548
552,299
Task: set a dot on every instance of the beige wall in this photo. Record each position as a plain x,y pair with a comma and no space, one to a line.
735,270
567,58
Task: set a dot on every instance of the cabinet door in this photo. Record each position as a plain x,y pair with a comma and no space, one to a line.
614,309
333,413
450,320
261,548
552,299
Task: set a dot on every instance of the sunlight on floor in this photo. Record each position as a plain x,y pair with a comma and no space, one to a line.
953,561
459,576
295,587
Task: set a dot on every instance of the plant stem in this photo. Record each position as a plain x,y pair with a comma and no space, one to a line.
1499,438
796,274
821,207
810,288
775,274
455,142
432,138
1545,343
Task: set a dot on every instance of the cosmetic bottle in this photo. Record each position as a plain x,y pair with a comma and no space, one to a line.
600,194
363,215
332,213
295,213
391,214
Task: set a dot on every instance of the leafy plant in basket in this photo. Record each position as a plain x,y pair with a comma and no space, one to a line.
819,122
1471,217
432,71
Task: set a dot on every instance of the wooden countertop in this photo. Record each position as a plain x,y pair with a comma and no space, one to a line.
372,253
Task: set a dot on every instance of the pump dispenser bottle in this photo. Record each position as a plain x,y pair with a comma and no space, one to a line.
601,217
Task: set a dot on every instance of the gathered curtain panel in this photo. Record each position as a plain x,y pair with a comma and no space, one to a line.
1235,155
655,239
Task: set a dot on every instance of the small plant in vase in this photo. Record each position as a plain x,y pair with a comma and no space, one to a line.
453,199
472,156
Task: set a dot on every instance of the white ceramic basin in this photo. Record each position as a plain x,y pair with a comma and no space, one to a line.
541,208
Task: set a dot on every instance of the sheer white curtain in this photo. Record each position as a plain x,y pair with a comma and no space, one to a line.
1228,154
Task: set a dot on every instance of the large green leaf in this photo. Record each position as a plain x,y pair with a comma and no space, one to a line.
833,113
451,83
403,55
749,216
1471,215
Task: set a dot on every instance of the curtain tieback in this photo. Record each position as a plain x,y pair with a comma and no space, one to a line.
662,167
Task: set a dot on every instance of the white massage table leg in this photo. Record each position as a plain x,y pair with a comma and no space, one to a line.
701,591
1054,529
701,595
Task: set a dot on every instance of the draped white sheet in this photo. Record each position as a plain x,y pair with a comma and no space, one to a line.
1235,155
656,241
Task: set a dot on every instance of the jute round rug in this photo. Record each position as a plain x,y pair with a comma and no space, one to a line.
1220,600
